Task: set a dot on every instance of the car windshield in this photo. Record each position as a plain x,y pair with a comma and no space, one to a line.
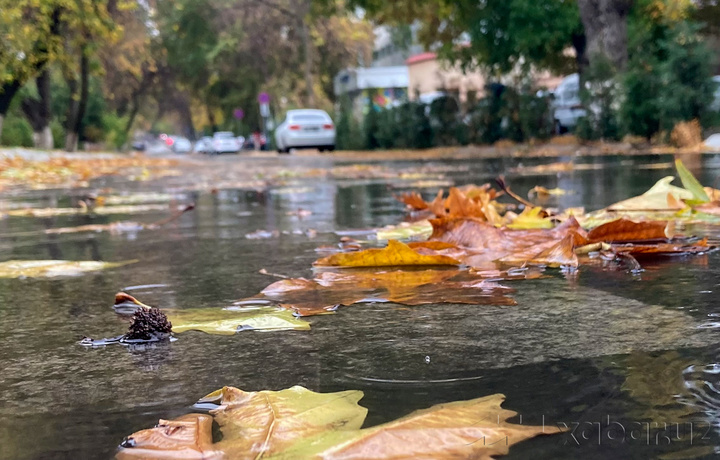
308,117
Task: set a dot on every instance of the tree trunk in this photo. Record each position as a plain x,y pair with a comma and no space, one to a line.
307,50
131,118
7,93
186,117
605,23
38,113
211,117
580,45
78,107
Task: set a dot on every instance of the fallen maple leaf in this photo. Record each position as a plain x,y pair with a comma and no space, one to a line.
395,254
486,244
624,230
298,423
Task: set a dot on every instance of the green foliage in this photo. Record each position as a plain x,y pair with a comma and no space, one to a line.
505,34
17,132
506,113
414,128
485,119
114,128
502,34
445,121
370,126
601,95
349,133
669,77
58,132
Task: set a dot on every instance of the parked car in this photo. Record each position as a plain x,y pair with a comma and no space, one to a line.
566,104
225,142
305,128
180,144
204,145
139,144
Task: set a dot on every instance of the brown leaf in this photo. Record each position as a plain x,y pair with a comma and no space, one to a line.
624,230
487,244
413,200
673,248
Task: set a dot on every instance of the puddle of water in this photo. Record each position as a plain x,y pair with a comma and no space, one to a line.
594,348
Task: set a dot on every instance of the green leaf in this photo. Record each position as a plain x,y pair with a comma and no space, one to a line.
691,183
228,321
405,231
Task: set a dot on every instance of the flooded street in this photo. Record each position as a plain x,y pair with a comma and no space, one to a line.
628,362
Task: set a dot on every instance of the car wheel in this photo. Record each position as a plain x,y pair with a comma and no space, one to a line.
330,148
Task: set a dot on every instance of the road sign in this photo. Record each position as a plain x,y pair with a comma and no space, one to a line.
264,109
239,114
264,98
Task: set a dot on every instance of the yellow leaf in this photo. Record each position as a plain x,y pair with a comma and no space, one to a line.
531,218
395,254
300,424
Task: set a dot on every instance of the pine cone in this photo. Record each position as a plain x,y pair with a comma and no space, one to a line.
149,324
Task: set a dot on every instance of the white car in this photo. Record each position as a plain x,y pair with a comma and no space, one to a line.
225,142
566,104
204,145
180,144
305,128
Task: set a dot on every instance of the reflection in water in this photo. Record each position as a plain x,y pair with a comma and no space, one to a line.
150,356
702,382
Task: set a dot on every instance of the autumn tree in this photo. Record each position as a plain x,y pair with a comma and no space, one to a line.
129,65
494,35
29,41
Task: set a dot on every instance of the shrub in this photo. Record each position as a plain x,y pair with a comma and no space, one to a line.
17,132
414,130
114,127
348,129
370,126
600,94
669,78
445,120
485,119
58,132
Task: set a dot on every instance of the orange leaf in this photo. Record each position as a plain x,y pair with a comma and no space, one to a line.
395,254
623,230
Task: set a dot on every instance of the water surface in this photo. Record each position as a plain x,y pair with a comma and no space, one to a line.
596,351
